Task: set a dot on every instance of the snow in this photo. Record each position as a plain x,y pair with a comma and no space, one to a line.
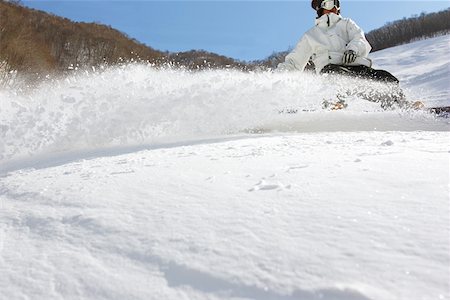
422,68
136,183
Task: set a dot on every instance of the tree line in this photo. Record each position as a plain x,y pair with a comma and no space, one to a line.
409,29
36,42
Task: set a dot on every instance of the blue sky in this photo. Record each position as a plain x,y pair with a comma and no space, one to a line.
245,30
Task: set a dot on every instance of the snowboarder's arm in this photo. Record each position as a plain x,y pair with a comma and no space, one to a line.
298,58
358,41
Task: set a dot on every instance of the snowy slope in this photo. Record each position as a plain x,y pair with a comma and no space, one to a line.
135,183
422,67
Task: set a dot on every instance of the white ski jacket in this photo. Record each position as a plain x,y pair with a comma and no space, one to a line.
326,43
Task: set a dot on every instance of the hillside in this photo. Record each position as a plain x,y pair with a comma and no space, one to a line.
409,29
422,77
38,42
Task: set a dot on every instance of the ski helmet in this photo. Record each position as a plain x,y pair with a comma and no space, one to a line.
320,5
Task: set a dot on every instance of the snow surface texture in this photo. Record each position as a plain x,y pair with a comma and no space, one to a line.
422,67
135,183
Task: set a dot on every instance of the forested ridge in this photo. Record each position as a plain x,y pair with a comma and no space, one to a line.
409,29
37,42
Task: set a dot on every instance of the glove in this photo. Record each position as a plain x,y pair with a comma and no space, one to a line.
349,57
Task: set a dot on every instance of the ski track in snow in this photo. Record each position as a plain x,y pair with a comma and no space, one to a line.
136,183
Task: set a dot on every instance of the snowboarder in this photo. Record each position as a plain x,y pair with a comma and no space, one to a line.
337,45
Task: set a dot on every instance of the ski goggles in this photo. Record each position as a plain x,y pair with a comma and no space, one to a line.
329,4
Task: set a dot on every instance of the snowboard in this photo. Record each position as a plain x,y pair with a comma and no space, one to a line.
440,111
443,111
